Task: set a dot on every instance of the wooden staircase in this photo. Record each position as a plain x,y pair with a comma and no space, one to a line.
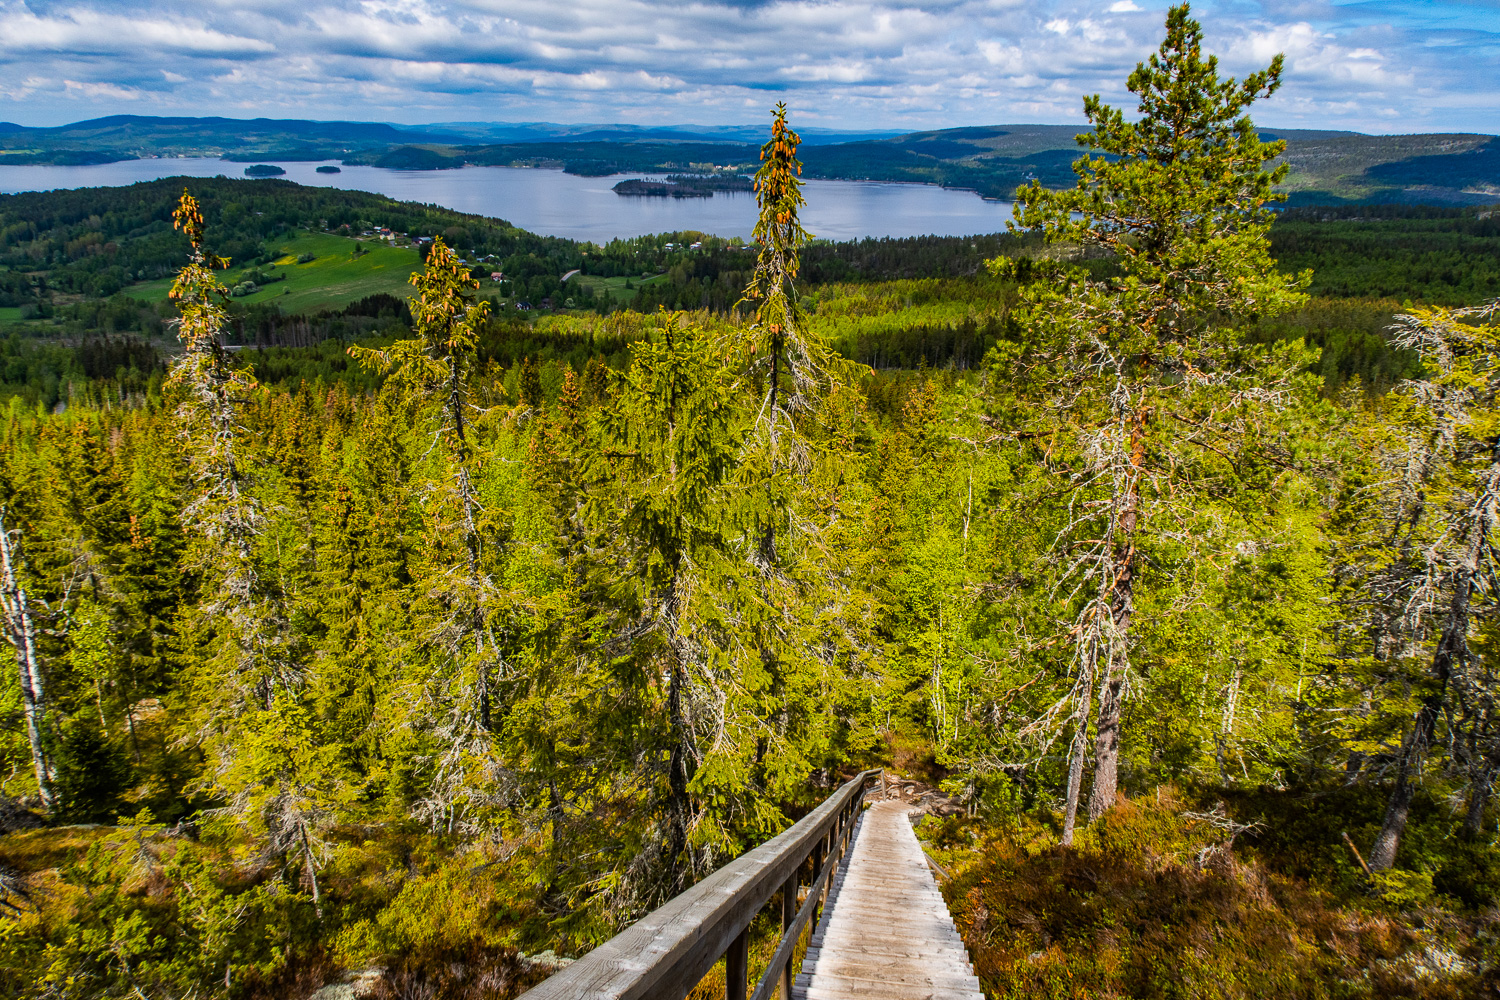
853,880
886,933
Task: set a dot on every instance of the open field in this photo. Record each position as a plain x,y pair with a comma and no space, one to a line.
332,280
614,287
10,314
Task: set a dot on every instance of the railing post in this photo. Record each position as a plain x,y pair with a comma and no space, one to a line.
737,967
677,944
788,913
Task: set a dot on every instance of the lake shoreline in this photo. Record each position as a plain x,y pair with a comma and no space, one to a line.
552,202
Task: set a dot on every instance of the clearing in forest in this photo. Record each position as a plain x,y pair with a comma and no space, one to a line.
335,277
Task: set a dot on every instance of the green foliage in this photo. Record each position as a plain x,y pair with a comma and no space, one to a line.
122,910
92,773
1180,196
1439,256
439,632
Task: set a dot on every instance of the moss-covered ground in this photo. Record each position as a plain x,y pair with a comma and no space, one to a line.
1157,900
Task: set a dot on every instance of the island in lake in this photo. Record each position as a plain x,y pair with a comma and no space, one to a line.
326,169
684,186
264,170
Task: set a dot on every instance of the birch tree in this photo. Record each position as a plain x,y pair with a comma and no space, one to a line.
21,633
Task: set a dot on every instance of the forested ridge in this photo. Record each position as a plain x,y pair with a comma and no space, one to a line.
72,260
429,643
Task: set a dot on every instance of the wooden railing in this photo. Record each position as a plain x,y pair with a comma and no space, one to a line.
664,954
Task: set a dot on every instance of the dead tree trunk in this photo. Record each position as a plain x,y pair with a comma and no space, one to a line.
1122,611
20,632
1452,653
1076,755
680,755
1479,796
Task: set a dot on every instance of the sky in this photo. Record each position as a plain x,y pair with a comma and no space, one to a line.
1374,66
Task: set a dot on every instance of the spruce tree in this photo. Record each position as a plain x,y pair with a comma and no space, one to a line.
668,452
251,676
243,624
463,610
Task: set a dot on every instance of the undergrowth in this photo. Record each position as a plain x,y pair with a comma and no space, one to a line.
1165,897
141,910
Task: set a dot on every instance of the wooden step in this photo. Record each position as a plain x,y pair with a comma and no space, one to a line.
886,933
854,991
905,973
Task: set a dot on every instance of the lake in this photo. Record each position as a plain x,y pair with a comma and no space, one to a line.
582,208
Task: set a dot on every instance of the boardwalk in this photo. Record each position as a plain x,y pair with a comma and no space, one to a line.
886,933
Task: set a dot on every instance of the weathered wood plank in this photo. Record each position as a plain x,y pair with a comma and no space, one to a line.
668,951
886,933
861,991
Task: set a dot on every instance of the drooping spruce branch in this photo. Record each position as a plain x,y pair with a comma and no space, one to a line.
432,373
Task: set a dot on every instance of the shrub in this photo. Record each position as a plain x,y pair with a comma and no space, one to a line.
116,922
92,772
1155,903
466,972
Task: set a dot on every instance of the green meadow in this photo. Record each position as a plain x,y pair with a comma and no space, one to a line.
335,277
615,288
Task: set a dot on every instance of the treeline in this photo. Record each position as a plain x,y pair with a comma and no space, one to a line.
890,326
1448,256
100,242
949,163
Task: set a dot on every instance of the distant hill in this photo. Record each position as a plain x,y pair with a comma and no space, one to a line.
126,137
1328,167
501,132
1414,169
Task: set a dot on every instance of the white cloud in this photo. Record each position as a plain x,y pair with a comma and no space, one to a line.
853,63
90,31
98,91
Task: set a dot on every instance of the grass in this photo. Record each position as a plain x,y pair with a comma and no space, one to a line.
332,280
1155,900
614,287
31,851
10,314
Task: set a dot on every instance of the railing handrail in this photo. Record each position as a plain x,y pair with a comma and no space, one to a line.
667,952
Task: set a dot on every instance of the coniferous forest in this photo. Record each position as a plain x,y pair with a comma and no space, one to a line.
418,646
